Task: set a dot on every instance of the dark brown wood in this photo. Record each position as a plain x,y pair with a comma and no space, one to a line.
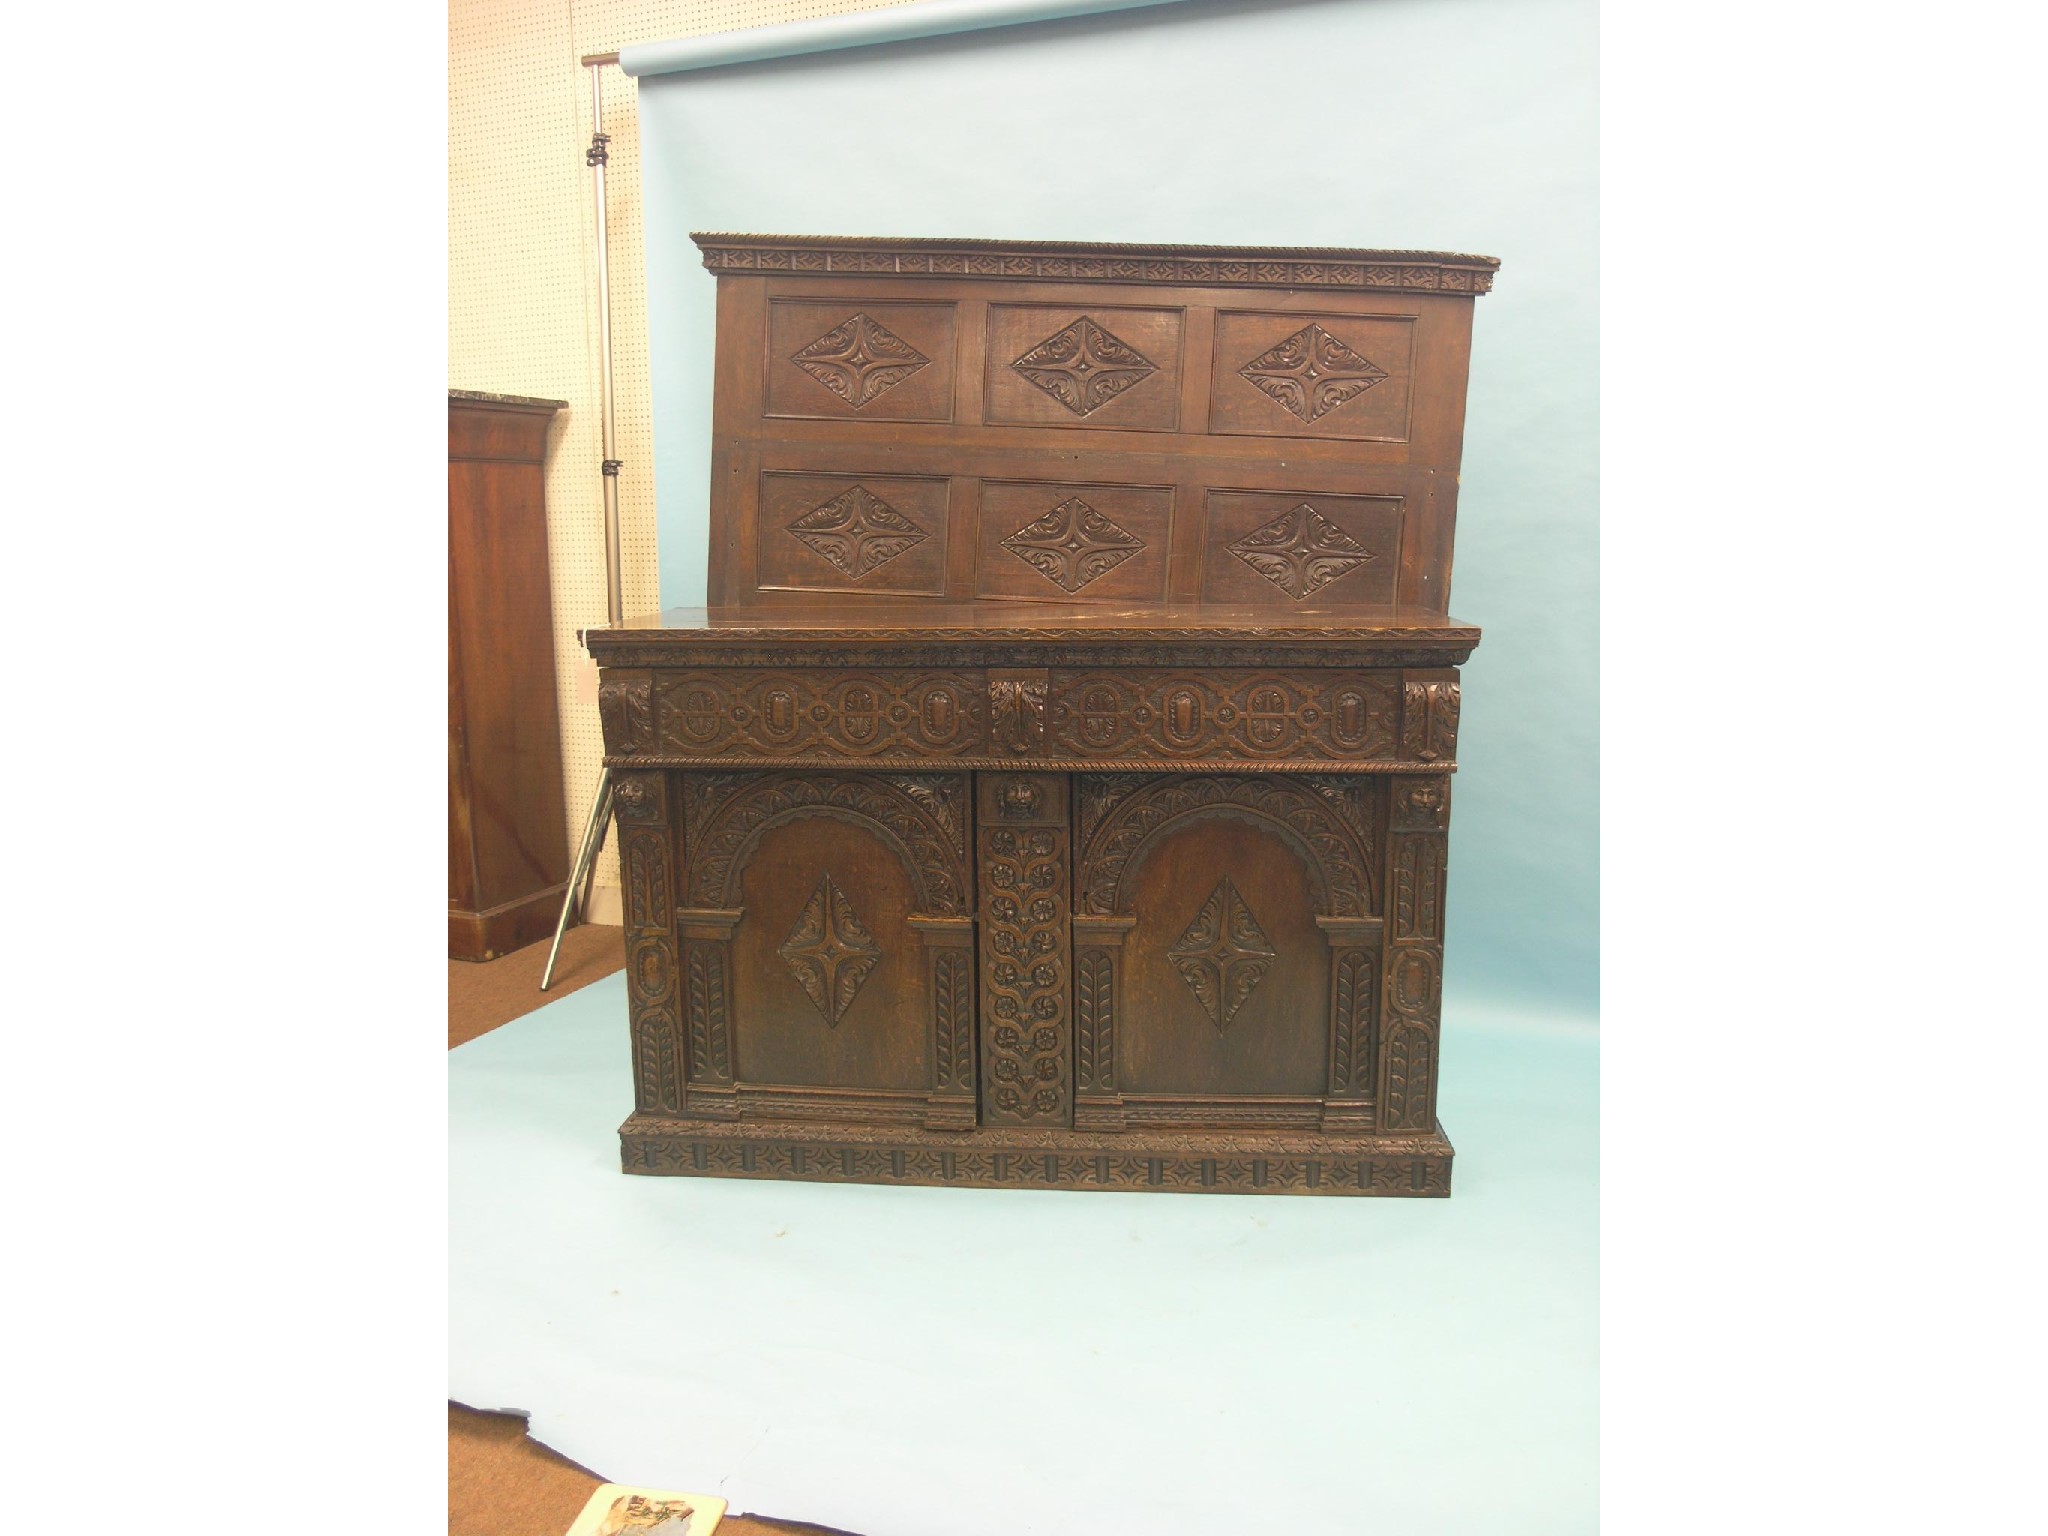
1060,778
508,858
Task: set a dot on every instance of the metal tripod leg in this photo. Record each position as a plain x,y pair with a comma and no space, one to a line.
586,863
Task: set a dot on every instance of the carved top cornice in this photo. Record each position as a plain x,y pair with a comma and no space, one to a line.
1215,266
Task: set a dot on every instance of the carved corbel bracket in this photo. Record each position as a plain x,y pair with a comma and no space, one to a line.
1016,709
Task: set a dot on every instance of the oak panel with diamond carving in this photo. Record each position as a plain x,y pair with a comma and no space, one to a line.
826,907
859,360
1101,367
1225,977
836,533
1063,543
1312,375
1308,550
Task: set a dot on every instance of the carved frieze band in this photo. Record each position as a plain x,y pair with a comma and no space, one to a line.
1324,817
1396,271
1082,715
1418,814
1026,930
1252,716
646,849
744,713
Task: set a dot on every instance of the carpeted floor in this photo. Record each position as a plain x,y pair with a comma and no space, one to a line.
501,1481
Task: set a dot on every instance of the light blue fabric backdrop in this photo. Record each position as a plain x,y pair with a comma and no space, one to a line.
1440,124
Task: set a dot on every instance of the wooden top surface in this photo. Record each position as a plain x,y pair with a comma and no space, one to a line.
1027,624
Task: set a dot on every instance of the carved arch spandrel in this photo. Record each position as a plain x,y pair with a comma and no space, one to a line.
921,818
1324,818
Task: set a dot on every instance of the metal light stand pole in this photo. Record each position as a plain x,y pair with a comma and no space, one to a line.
615,602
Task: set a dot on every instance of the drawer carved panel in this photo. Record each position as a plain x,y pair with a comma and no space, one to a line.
778,713
1255,716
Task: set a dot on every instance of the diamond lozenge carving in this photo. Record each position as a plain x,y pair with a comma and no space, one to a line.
1311,373
1084,366
1224,955
830,950
1301,551
857,531
1073,544
860,360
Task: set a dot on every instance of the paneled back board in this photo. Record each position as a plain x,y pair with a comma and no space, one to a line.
1057,791
958,421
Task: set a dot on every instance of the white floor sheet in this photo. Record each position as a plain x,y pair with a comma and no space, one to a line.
930,1362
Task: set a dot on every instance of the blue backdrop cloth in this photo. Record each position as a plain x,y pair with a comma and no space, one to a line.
1464,125
935,1362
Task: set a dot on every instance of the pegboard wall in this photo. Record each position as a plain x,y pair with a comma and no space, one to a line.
522,290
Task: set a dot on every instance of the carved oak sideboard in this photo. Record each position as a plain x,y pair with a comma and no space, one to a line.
1057,791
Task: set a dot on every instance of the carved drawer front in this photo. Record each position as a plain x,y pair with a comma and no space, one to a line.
769,713
1222,716
998,716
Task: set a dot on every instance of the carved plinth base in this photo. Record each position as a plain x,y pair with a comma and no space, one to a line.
1006,1158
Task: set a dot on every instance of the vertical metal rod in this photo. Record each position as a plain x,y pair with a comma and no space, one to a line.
614,595
586,861
614,583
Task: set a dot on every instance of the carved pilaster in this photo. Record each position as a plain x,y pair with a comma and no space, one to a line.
707,941
1354,960
1098,963
653,968
1418,818
949,956
1024,842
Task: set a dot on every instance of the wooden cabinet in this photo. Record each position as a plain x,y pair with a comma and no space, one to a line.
1058,791
508,857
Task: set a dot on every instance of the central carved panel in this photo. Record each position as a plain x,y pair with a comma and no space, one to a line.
857,531
860,360
1311,373
1301,551
1224,955
830,950
1084,367
1073,544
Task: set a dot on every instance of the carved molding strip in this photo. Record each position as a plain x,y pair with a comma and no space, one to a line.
1195,1163
1393,271
1047,764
